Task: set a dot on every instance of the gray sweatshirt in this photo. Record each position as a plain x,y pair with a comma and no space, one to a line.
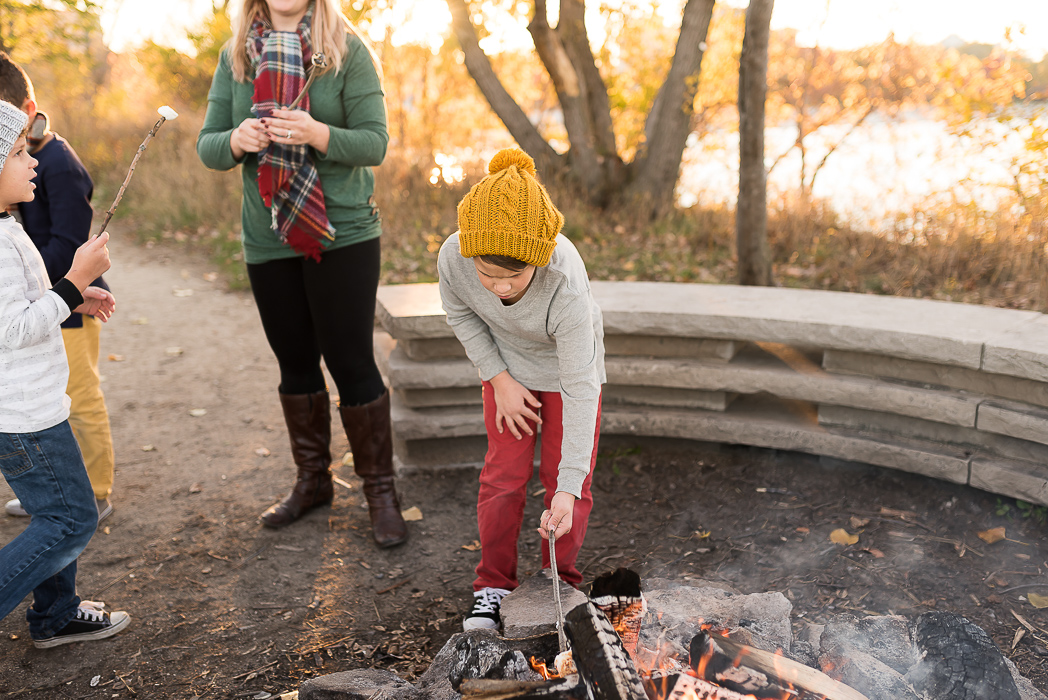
552,339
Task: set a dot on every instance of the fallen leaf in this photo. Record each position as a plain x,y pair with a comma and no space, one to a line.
173,351
411,514
262,452
472,546
858,523
198,412
991,536
182,292
148,448
365,564
94,681
210,276
841,536
803,530
196,488
115,358
877,554
1019,634
1038,601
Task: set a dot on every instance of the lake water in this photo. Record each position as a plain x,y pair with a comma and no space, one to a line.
883,168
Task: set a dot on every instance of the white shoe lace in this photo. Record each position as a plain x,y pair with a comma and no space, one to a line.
487,600
91,611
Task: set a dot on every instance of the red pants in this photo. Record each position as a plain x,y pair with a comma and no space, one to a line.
508,466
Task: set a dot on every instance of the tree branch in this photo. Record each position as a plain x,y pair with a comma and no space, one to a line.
572,29
504,106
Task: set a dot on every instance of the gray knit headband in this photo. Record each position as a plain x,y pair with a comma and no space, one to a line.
12,124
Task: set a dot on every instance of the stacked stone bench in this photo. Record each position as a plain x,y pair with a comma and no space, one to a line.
954,391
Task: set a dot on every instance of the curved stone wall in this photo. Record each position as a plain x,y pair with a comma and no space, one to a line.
954,391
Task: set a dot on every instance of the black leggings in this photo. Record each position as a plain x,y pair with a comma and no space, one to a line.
327,309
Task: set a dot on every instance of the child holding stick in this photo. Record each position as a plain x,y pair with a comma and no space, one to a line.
518,298
39,456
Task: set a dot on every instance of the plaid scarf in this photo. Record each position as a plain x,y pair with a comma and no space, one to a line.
287,177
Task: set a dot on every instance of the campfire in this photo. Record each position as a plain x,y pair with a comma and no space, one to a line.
605,661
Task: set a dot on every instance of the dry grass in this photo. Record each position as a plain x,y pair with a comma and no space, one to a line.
948,252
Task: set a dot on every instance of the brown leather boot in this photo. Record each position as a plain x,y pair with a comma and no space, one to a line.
371,440
308,419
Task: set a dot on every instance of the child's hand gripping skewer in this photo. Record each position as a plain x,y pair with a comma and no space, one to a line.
165,113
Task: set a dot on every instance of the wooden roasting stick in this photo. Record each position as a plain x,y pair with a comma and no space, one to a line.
166,113
802,677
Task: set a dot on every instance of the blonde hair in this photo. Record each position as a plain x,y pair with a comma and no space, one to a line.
329,30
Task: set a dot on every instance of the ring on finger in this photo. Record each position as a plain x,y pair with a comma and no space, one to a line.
288,134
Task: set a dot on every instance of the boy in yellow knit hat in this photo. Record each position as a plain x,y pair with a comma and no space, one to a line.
517,296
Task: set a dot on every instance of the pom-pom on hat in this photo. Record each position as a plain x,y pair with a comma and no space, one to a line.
509,213
12,124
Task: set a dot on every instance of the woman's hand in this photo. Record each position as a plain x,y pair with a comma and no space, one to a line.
558,517
249,137
98,303
511,405
295,127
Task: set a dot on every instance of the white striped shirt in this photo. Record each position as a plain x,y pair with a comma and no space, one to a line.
33,367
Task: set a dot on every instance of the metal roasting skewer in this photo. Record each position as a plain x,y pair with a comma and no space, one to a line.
561,637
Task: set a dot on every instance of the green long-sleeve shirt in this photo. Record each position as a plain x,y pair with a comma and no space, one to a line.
352,104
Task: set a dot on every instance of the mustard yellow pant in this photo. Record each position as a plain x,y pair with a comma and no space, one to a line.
87,412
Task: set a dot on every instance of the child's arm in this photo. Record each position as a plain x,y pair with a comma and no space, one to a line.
578,353
23,322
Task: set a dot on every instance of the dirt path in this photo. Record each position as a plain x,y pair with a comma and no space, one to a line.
222,608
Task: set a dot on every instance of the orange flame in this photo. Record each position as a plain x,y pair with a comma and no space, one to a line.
546,672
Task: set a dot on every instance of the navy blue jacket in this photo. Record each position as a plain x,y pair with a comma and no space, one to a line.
58,220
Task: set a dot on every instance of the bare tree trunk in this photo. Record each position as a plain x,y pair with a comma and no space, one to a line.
751,213
478,65
573,97
666,130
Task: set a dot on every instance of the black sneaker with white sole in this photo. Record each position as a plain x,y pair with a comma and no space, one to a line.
485,611
92,622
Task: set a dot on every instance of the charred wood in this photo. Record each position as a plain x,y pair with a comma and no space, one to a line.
685,687
618,596
476,657
789,672
601,659
958,660
713,664
491,689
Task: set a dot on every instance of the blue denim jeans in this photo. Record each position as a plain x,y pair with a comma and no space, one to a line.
47,474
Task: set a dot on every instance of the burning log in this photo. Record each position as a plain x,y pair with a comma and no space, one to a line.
800,677
619,597
711,663
685,687
600,656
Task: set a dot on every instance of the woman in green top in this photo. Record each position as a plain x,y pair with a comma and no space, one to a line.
311,231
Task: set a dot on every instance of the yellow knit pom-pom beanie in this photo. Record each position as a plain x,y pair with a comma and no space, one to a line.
509,213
